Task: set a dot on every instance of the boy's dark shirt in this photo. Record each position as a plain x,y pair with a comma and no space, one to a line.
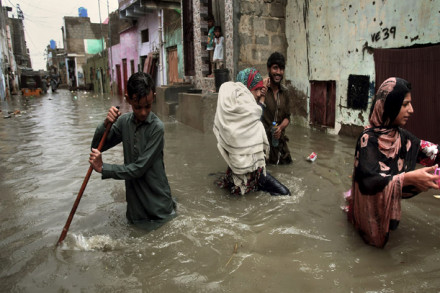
148,193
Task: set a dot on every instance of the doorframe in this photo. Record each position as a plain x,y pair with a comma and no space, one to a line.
327,117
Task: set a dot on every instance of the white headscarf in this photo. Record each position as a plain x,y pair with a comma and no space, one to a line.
241,138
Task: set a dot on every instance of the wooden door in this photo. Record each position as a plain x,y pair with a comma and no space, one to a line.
173,65
118,78
125,73
323,103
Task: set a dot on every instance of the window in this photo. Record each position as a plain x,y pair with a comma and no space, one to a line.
145,36
357,92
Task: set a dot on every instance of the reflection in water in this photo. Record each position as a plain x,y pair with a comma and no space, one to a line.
218,242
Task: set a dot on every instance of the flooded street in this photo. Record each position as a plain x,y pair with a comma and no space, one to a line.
217,243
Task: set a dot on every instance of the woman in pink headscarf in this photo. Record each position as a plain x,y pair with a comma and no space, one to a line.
385,159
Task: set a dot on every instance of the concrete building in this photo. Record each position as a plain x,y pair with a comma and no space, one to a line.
252,30
337,54
340,51
150,41
82,39
5,53
56,60
14,54
96,73
116,25
21,52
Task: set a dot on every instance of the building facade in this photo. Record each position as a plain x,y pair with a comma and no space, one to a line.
82,39
340,51
337,53
14,54
149,34
252,30
56,61
96,73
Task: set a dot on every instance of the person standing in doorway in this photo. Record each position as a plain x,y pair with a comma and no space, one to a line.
10,82
210,44
218,51
277,110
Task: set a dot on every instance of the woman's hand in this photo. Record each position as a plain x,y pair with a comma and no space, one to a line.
266,82
423,178
263,93
95,160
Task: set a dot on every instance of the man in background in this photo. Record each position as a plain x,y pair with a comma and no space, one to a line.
277,110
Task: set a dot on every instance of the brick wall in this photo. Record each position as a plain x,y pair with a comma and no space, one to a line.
80,28
261,31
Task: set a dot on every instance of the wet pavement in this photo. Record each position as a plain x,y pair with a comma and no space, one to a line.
218,242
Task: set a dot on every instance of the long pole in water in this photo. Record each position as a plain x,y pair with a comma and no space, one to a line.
83,187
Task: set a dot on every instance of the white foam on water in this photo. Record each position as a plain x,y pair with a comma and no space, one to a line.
296,231
93,243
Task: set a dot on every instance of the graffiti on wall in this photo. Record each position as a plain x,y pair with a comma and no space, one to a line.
384,34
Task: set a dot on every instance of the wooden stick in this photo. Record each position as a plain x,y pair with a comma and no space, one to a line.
83,187
235,251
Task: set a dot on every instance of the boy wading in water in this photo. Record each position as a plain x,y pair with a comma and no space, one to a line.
148,194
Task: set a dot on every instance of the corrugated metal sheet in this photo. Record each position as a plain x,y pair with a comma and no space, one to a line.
421,67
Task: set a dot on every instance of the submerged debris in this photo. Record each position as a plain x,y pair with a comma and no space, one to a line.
234,252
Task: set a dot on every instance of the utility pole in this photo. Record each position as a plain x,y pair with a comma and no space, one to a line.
102,42
161,46
110,45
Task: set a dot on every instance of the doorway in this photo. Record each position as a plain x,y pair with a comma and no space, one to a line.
188,40
323,103
118,78
125,73
173,65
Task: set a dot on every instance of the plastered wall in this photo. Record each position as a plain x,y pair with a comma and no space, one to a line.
329,40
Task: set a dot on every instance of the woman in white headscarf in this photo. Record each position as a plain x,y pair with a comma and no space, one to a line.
241,137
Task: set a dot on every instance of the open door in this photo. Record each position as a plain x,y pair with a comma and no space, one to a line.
188,40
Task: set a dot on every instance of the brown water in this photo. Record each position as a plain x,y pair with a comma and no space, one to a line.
218,242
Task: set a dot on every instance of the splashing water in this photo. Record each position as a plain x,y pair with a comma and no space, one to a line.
93,243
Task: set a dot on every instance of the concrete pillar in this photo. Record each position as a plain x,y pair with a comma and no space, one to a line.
197,44
229,37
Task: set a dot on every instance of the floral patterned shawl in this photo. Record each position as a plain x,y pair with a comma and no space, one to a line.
383,154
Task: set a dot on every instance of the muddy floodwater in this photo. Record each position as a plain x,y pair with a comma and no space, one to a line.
217,243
